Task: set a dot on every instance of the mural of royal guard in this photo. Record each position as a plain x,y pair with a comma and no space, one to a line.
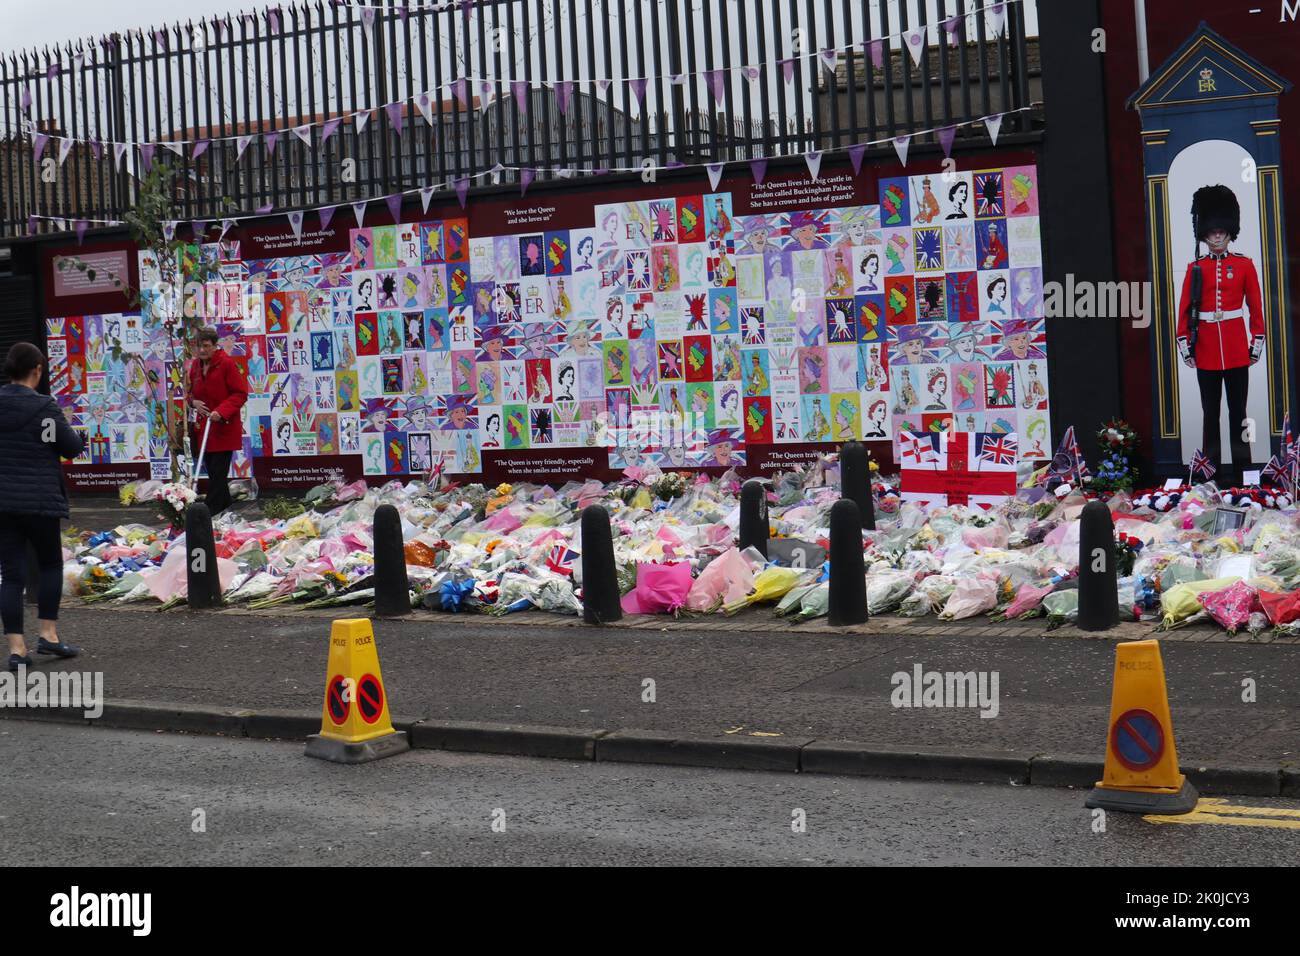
1221,323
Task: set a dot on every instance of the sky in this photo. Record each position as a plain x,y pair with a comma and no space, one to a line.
36,23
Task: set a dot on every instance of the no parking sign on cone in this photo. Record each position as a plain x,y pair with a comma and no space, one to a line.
355,725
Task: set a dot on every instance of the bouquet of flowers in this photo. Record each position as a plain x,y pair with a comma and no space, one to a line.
1127,547
1118,442
172,499
669,485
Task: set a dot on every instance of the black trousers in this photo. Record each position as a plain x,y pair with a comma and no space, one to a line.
1213,384
217,464
15,531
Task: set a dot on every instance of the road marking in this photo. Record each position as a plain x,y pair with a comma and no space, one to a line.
1217,810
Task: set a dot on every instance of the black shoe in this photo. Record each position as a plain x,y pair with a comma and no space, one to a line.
17,659
61,649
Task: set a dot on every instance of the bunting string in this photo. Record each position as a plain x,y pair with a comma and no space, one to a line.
945,135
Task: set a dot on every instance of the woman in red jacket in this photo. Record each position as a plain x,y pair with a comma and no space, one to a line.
218,391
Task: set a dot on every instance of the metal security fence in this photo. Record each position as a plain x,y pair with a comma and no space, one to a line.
321,103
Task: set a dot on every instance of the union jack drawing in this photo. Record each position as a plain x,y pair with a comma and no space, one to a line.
998,449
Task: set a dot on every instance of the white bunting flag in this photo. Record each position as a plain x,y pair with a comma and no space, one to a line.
814,160
901,143
715,173
426,196
994,125
241,144
915,40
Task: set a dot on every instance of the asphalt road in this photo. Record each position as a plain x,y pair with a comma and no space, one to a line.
127,798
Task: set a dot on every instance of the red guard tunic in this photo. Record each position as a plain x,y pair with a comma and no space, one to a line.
1228,281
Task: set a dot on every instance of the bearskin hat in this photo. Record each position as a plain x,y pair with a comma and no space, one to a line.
1215,207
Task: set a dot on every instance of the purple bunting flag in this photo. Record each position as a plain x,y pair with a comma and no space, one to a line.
266,210
146,156
394,111
951,26
638,89
520,90
326,214
462,190
329,129
460,90
855,157
946,136
96,149
395,207
199,229
200,147
525,180
226,226
27,100
563,91
758,167
717,82
38,144
787,69
270,139
81,226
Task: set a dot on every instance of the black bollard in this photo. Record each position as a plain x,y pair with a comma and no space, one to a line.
1098,591
202,583
753,516
392,589
600,597
848,584
855,481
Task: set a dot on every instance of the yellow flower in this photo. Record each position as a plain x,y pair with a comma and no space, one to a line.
504,489
873,466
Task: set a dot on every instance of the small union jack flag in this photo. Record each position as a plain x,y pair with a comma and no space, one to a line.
1201,465
999,449
1274,471
561,558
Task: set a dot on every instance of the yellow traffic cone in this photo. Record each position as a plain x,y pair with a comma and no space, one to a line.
355,725
1141,773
